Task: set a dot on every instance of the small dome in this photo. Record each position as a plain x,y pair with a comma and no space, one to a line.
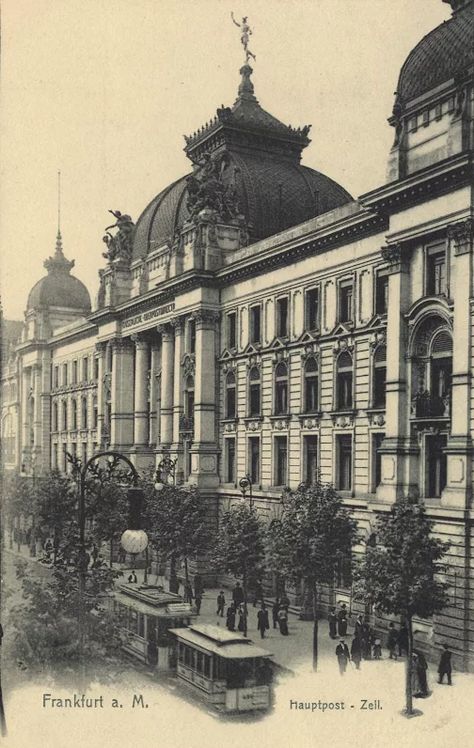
59,288
441,55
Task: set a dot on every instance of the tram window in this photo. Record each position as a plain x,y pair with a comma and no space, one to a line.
163,636
181,652
199,657
141,625
207,666
133,621
188,657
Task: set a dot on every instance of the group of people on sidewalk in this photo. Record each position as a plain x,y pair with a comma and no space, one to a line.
237,612
366,645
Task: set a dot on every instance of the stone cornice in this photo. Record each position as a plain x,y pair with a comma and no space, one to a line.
423,185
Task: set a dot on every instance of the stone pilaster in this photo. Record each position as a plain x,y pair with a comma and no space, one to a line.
167,385
44,462
398,467
140,432
204,448
155,367
122,393
100,355
459,445
179,345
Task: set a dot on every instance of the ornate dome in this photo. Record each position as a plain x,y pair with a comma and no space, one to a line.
259,160
442,54
59,288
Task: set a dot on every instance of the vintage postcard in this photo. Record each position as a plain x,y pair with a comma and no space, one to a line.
237,404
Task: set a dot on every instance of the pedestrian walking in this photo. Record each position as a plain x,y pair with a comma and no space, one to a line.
237,595
356,653
230,617
258,594
392,641
275,609
198,601
403,640
285,601
415,679
444,667
283,621
198,585
342,620
332,619
359,624
242,618
220,604
343,656
262,620
377,649
132,579
422,667
366,642
188,592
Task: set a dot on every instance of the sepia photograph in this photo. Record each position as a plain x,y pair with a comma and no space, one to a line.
237,359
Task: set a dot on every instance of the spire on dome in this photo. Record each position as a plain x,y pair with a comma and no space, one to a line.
58,262
246,90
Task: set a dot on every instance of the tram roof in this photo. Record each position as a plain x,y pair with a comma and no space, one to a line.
227,644
160,605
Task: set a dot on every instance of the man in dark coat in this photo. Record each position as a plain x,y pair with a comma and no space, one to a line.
356,653
230,617
262,620
237,595
198,601
392,641
403,640
343,656
444,667
421,668
332,618
342,620
358,627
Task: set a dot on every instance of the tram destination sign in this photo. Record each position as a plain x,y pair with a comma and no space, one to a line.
138,319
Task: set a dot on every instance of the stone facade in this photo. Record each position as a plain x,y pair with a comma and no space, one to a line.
340,346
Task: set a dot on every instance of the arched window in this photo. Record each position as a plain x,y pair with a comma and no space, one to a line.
64,418
311,399
74,414
281,389
230,400
189,397
441,364
84,413
55,417
379,377
344,381
254,391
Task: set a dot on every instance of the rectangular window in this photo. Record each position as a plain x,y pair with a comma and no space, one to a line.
84,412
74,372
255,324
56,376
344,390
282,317
344,462
192,336
380,378
345,302
436,273
64,374
312,309
310,459
254,459
436,465
85,369
281,460
95,415
96,368
426,118
377,440
232,330
230,460
381,295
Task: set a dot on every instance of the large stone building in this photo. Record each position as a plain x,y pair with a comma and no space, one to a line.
258,320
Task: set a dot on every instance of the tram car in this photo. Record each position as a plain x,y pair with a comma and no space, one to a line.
146,615
224,668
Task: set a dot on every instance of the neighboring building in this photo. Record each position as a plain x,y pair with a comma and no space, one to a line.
258,320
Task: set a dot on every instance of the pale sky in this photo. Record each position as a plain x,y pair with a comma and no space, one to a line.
105,89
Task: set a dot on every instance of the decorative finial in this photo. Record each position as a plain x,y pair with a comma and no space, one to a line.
246,33
58,263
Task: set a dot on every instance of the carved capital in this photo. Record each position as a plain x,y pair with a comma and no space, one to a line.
394,255
141,341
120,345
206,317
166,332
461,234
100,347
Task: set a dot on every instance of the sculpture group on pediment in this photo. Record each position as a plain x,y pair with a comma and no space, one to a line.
119,245
208,191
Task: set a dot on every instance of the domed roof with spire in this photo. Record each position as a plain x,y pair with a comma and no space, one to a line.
257,158
443,54
59,288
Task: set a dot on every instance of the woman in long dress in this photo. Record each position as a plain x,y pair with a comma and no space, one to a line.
415,680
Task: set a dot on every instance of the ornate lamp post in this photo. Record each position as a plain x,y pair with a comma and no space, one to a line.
166,476
134,539
245,485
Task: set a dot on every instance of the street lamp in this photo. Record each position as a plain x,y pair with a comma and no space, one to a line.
134,539
246,484
165,473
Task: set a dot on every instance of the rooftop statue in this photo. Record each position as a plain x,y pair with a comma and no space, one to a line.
119,246
207,189
246,33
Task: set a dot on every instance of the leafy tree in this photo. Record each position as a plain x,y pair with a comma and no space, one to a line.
107,510
398,574
20,501
309,539
176,521
240,546
56,502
